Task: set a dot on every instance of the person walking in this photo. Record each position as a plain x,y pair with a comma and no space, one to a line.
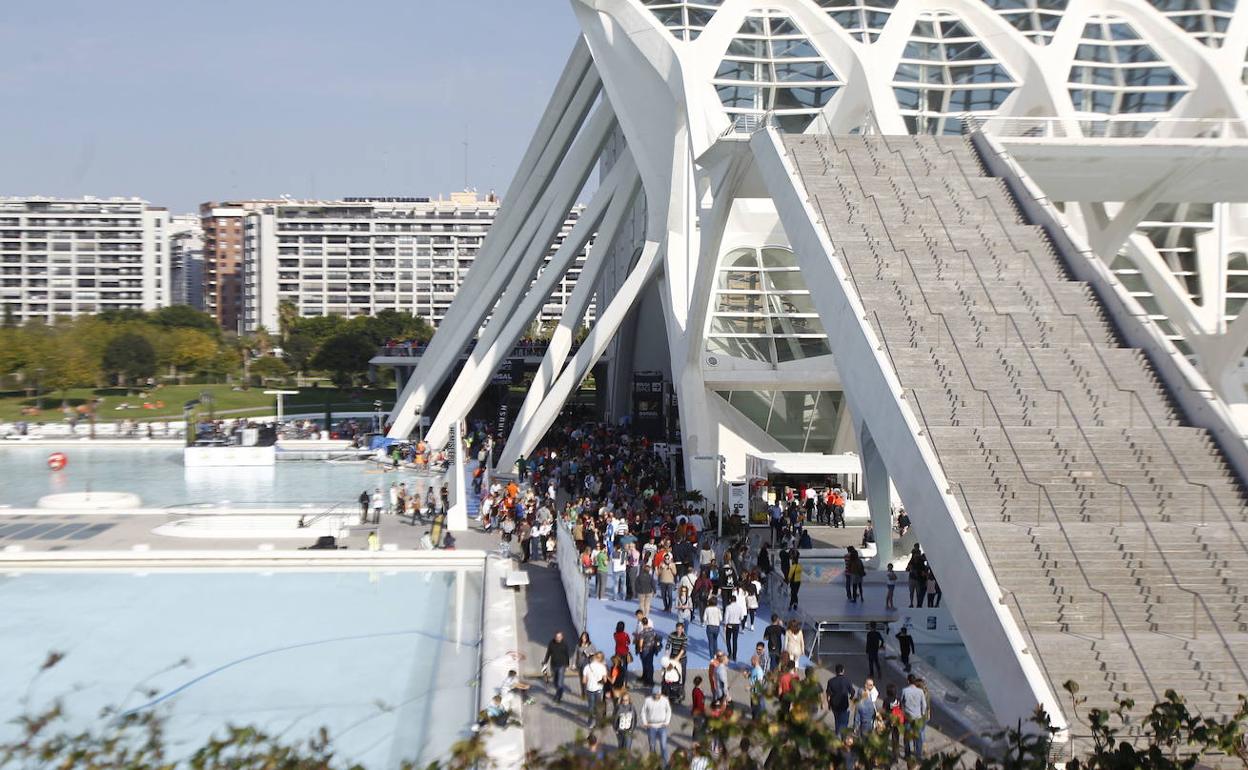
644,588
712,618
774,636
585,652
364,501
378,502
795,580
647,647
875,641
684,605
625,720
667,581
905,646
795,643
734,615
839,693
867,709
916,709
656,715
595,679
678,653
891,576
619,575
758,687
557,659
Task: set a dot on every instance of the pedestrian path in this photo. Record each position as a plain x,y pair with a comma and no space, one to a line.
473,503
604,614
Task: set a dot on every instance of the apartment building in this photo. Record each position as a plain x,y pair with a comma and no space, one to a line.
70,256
186,261
359,256
223,258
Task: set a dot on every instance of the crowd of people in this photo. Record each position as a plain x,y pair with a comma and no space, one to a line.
638,539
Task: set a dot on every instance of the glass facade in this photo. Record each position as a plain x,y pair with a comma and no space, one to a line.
1117,72
771,66
864,19
1036,19
762,310
1205,20
801,420
945,72
685,20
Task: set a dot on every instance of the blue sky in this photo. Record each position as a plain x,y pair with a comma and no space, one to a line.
187,101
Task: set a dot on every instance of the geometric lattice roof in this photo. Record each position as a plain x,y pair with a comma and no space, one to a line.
771,66
1205,20
946,71
861,18
1117,72
685,19
1036,19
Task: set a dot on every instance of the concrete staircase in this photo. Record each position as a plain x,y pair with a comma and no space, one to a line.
1117,533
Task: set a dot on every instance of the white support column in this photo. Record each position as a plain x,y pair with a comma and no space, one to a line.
561,340
875,483
574,96
525,435
608,208
457,516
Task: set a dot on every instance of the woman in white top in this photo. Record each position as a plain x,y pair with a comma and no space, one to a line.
795,643
712,618
752,593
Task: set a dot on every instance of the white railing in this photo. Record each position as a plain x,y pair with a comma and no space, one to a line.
1137,126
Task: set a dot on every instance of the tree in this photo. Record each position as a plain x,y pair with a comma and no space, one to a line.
186,348
268,367
129,357
345,356
185,317
298,350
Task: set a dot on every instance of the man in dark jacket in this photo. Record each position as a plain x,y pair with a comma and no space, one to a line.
557,657
840,692
774,636
905,645
875,641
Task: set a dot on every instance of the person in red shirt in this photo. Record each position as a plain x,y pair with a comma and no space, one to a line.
622,641
697,709
785,684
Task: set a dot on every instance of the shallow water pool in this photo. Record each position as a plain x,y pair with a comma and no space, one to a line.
387,661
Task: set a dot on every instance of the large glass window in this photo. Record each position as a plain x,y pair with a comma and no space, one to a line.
1205,20
1116,72
761,309
1036,19
945,71
801,420
771,66
685,19
864,19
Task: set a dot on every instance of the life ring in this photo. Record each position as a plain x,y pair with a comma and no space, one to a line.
57,461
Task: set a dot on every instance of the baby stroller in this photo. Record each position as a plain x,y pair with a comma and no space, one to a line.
673,687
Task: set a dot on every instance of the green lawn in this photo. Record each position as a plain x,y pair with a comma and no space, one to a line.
226,401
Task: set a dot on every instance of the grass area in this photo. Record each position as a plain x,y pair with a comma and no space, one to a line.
167,400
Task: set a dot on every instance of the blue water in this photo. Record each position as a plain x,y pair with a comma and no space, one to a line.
157,476
386,661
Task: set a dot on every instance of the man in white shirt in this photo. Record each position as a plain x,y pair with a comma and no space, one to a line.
595,678
656,715
734,615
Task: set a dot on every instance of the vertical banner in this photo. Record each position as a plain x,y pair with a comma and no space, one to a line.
739,499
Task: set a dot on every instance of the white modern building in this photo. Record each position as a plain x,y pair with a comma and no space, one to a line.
359,256
994,248
63,257
186,260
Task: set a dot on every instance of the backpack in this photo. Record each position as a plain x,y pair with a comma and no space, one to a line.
651,641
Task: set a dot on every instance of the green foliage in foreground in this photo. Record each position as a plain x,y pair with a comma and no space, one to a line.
1169,737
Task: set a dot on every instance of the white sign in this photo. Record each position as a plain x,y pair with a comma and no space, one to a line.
739,499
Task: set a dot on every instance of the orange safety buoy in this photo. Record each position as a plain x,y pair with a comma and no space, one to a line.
57,461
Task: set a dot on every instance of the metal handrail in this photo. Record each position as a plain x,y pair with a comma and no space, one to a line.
1111,127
